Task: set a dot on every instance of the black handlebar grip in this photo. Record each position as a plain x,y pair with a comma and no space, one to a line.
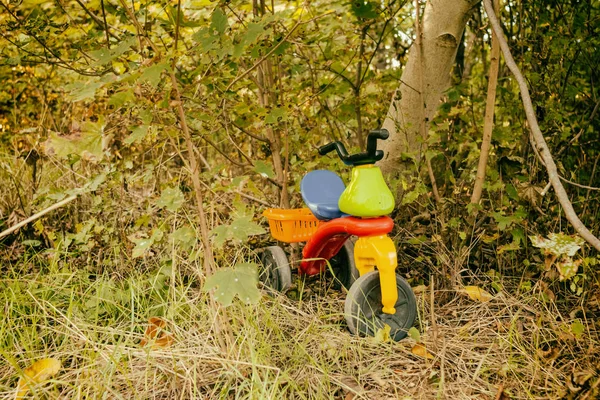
372,140
371,156
329,147
379,134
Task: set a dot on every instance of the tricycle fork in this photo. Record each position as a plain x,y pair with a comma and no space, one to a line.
371,251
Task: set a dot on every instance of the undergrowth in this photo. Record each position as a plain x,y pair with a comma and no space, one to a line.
520,344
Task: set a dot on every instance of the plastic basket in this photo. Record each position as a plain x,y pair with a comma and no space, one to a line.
291,226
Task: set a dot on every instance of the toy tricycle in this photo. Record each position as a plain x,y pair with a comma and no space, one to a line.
377,295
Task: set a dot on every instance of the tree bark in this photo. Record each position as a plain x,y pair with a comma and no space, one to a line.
443,24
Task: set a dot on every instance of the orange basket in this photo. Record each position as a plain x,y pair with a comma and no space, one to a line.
291,226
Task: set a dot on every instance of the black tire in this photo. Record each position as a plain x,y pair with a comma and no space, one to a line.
363,307
343,266
274,271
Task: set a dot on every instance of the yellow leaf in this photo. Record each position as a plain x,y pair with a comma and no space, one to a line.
37,372
478,294
420,350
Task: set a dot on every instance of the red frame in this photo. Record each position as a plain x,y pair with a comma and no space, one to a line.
331,236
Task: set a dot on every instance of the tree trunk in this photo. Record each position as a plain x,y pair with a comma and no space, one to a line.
443,24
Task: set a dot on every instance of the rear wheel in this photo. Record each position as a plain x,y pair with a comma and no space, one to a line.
363,307
343,266
274,271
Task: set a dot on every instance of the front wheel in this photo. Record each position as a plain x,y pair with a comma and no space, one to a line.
363,307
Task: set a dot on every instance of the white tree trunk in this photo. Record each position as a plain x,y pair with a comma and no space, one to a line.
443,25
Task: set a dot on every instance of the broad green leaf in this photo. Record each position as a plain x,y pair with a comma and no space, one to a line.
120,98
239,229
264,169
184,237
241,280
364,9
171,199
219,21
220,235
512,192
276,115
82,90
243,227
90,186
577,328
88,143
137,134
142,245
505,221
414,334
103,56
152,74
206,41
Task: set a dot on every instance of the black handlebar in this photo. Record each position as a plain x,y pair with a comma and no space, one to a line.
371,156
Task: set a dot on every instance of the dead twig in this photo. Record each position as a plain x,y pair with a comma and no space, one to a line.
541,144
36,216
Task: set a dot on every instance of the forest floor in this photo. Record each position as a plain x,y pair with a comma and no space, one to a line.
515,346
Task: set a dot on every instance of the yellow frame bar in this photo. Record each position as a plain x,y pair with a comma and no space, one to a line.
371,251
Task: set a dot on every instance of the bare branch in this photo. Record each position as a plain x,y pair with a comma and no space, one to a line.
488,122
541,144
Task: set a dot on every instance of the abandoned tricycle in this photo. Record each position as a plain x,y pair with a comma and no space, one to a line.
377,296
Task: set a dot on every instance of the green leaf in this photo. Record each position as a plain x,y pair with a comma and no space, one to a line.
171,199
103,56
142,245
512,192
577,328
152,73
88,143
137,134
414,334
120,98
241,280
240,229
82,90
184,237
505,221
243,227
219,21
276,115
220,235
364,9
264,169
253,32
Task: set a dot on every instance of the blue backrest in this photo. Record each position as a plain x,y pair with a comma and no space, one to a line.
321,190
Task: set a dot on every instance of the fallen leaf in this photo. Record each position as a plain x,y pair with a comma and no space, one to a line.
383,334
414,334
420,350
478,294
37,372
156,335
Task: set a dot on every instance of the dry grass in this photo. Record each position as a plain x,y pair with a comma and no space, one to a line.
283,348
